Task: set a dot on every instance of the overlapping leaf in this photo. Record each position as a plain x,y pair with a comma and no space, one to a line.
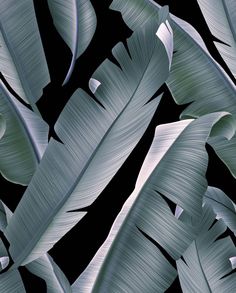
23,141
206,265
96,142
76,21
222,205
175,168
22,58
195,76
220,16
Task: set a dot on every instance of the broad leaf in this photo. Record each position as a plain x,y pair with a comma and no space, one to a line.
206,266
222,205
2,126
23,62
11,282
128,261
220,16
226,151
24,140
97,138
76,22
195,76
44,267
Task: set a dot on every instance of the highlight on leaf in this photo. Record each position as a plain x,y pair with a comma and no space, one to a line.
97,139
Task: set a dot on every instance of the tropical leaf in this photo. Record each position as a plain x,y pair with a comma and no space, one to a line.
222,205
11,282
195,76
2,126
23,62
45,268
220,16
76,22
97,138
128,261
24,140
226,151
205,266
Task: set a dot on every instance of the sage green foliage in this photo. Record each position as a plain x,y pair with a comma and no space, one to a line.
97,136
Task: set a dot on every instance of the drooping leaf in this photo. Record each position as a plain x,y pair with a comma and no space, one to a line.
222,205
175,168
45,268
23,62
96,138
195,76
206,263
24,140
2,126
76,22
226,151
220,16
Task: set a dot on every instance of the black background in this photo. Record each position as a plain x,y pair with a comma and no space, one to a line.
74,251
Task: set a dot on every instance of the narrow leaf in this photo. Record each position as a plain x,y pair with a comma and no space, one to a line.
222,205
24,140
23,62
220,16
96,142
76,22
206,266
128,261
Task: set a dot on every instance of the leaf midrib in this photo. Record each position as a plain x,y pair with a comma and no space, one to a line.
35,239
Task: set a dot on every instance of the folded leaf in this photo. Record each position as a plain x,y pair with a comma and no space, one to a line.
24,140
205,266
76,22
222,205
175,168
23,62
97,138
220,16
45,268
195,76
226,151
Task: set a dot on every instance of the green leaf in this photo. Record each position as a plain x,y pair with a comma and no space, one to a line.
23,62
221,19
97,138
205,265
222,205
24,140
76,22
175,168
195,76
2,126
